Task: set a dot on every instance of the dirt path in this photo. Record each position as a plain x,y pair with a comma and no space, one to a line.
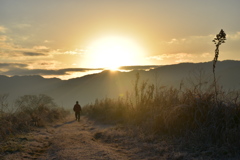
77,140
85,140
67,140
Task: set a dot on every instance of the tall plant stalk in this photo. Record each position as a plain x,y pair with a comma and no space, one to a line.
220,38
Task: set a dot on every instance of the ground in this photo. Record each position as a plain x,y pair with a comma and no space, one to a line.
86,140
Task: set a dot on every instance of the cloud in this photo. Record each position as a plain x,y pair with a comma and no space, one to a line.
180,57
235,36
161,57
145,67
191,44
3,29
76,51
157,57
3,38
198,44
10,50
5,67
195,49
47,41
13,65
25,71
41,48
33,54
45,64
174,40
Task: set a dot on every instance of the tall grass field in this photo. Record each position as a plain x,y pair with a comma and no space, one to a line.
189,115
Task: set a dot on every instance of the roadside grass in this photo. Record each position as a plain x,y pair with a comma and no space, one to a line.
29,111
189,116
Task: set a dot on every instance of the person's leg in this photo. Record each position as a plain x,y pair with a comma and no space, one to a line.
76,115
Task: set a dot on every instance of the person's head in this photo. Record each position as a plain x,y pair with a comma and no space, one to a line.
76,102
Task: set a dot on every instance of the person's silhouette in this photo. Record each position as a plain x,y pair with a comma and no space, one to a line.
77,109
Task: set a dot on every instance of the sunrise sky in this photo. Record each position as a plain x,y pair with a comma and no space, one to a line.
72,38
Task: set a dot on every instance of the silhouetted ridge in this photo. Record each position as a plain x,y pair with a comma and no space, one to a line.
111,84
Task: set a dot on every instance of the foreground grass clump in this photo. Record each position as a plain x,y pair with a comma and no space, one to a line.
189,115
28,111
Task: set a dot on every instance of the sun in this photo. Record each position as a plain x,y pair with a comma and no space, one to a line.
111,52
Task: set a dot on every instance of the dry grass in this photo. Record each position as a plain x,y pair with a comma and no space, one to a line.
189,116
29,111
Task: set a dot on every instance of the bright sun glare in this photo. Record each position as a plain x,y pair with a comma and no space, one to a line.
114,51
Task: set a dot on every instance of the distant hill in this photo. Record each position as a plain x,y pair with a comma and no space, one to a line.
112,84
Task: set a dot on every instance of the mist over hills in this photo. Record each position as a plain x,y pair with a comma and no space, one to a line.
113,84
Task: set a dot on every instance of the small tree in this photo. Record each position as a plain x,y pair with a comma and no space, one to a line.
220,38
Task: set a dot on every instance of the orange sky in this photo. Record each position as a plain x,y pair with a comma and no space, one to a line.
67,39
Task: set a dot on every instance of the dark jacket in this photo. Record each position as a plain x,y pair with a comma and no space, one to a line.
77,108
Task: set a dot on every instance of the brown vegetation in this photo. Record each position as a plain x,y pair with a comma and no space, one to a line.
189,116
28,111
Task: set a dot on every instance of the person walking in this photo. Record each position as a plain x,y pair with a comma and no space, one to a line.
77,109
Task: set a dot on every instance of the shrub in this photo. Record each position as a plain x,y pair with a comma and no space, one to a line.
30,111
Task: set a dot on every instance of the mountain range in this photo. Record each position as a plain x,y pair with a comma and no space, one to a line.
112,84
